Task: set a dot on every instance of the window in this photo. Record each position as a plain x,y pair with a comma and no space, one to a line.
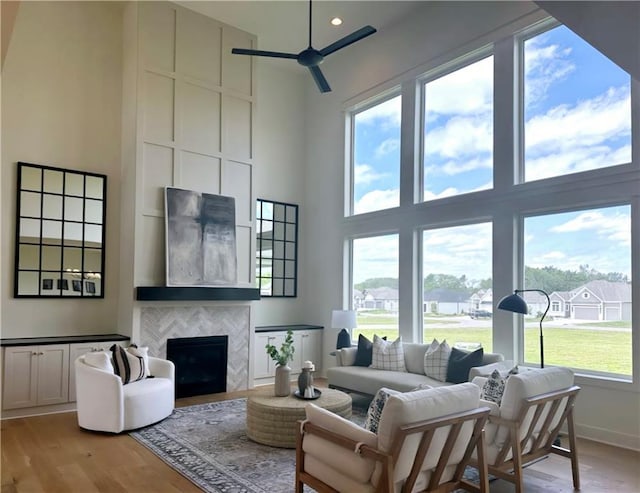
375,285
573,121
457,289
458,131
584,258
376,157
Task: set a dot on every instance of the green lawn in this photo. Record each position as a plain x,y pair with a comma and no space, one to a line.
582,348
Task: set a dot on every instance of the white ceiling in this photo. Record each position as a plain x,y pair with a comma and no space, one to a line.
283,25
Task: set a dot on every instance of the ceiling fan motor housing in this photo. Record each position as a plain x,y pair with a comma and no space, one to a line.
310,58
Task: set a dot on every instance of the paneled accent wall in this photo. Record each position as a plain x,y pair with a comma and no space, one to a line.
195,126
161,323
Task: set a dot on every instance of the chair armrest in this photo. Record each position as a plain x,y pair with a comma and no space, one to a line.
346,356
162,368
486,370
494,409
99,398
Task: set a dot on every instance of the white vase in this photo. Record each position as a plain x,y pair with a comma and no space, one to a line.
282,387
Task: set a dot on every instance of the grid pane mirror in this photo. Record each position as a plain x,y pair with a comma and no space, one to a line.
60,233
277,248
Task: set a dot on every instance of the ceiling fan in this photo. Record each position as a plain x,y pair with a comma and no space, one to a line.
310,57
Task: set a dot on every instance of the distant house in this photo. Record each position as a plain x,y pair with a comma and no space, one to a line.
560,304
482,300
536,302
381,299
601,300
358,299
445,301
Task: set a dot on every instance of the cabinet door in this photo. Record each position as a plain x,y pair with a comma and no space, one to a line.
20,377
75,351
264,366
312,347
53,374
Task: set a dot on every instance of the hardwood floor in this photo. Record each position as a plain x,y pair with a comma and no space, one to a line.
51,454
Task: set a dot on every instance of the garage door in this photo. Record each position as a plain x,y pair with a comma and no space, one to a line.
585,312
612,313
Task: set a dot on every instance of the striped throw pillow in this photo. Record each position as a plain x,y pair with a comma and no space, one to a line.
128,367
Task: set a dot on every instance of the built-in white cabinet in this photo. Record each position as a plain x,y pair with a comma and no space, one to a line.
35,375
307,344
44,374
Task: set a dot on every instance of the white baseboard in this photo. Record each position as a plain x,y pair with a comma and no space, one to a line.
609,437
38,411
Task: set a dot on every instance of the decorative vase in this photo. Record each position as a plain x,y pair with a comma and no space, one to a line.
305,380
282,385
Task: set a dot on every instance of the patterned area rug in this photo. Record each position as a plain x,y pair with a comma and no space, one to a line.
207,444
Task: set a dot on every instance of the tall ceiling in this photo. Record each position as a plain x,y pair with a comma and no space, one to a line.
284,25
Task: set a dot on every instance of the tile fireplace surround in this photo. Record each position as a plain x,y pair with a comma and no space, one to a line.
157,324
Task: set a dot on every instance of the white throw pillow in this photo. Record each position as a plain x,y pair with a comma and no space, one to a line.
387,355
436,360
142,352
100,360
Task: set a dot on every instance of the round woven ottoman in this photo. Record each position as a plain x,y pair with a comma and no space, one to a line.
272,420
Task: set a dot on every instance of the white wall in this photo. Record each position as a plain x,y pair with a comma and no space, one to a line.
606,411
279,172
61,93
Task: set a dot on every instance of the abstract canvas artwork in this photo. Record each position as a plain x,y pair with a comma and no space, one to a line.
200,238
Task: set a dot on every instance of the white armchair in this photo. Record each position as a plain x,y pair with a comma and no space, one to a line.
425,439
105,404
535,405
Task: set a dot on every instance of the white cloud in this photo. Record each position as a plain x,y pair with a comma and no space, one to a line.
387,146
461,136
364,174
447,192
588,123
466,91
544,65
389,112
375,257
612,227
456,166
376,200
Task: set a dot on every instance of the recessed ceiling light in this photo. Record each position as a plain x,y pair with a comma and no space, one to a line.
336,21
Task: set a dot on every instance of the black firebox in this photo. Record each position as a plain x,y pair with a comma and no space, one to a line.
201,364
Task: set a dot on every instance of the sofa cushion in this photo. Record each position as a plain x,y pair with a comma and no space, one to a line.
388,355
414,356
365,351
436,360
369,381
460,362
375,409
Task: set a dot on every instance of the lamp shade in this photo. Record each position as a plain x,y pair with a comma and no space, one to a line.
343,319
513,303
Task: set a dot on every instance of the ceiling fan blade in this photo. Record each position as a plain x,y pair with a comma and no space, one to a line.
273,54
347,40
321,82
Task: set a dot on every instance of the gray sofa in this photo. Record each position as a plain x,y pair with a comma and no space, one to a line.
367,381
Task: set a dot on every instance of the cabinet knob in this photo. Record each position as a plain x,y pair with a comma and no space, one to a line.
40,353
34,354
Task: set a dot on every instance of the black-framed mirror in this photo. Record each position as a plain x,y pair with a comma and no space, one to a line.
277,249
60,233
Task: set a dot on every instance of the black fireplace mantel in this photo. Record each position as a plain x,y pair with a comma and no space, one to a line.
173,293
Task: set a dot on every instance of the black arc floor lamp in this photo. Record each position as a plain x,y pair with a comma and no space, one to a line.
515,303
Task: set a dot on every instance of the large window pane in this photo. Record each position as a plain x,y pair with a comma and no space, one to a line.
457,287
583,260
376,157
458,131
577,107
375,286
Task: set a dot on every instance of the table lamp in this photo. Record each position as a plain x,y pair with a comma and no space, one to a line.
344,319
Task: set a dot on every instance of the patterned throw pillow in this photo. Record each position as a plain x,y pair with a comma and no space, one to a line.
128,367
436,360
493,388
375,409
388,355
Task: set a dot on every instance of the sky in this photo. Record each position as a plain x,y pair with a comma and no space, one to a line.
573,122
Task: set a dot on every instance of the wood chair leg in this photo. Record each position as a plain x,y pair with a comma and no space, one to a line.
574,451
516,451
483,469
299,460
